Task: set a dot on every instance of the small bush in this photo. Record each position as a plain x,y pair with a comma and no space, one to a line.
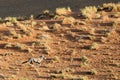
68,20
63,11
19,46
11,19
57,76
112,7
84,58
8,45
92,72
94,46
89,11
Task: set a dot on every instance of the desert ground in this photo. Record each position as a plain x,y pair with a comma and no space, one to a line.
28,7
62,45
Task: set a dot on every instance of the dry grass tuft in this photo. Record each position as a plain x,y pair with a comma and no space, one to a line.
63,11
89,11
68,20
112,7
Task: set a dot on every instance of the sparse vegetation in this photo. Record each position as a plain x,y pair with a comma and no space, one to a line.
112,7
83,64
92,31
56,59
11,19
8,45
94,46
63,11
56,27
68,76
76,45
84,58
89,12
28,50
92,72
19,46
68,20
23,79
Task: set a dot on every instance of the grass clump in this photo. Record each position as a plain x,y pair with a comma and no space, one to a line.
28,50
115,15
8,45
5,38
94,46
103,39
83,64
114,24
78,22
67,76
92,72
56,58
69,70
92,31
17,46
89,11
38,43
63,11
83,58
68,20
14,34
23,79
62,76
56,27
11,19
78,78
47,49
112,7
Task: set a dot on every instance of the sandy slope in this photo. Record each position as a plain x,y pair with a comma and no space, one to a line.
27,7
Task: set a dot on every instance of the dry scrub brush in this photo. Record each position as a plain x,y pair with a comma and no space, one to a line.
89,11
63,11
112,7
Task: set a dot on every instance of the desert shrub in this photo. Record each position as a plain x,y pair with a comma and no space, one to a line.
78,22
9,24
83,64
63,11
115,15
68,20
84,58
68,76
19,46
37,43
78,78
92,31
89,11
11,19
56,26
57,76
57,59
94,46
15,45
92,72
23,79
12,32
28,50
43,37
112,7
8,45
31,17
